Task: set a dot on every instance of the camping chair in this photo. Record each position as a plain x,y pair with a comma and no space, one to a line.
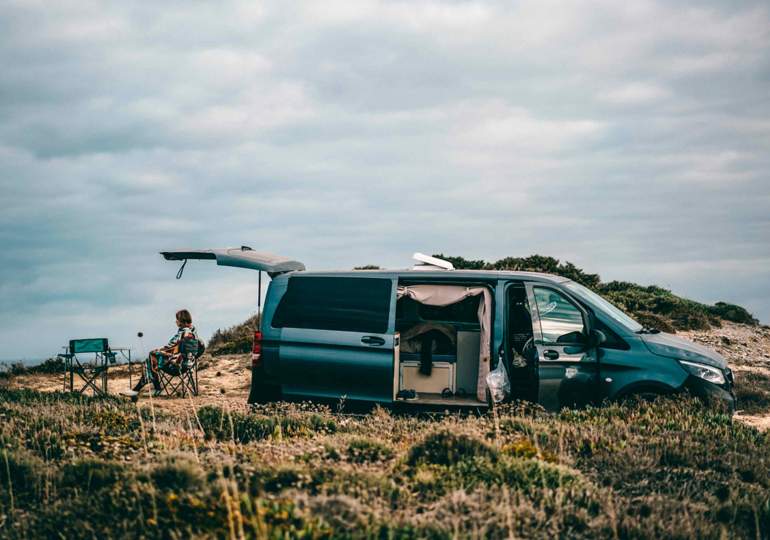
180,375
89,372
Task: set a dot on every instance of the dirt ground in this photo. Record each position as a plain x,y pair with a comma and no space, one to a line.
747,349
221,380
224,380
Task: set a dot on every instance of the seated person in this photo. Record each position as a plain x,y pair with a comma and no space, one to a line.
167,357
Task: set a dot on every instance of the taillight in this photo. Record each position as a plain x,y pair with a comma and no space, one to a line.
256,350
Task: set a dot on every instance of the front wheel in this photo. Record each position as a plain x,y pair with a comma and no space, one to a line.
646,395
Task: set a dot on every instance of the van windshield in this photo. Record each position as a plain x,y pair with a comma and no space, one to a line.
608,308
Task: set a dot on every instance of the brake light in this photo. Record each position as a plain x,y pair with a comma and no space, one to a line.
256,350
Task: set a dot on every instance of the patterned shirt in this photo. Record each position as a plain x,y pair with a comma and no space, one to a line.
185,332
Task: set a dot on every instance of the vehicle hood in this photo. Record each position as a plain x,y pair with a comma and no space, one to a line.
671,346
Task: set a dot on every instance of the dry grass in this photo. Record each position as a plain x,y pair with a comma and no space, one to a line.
72,466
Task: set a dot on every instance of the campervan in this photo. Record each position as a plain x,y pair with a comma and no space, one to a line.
432,335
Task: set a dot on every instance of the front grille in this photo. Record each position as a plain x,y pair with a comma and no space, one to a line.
729,376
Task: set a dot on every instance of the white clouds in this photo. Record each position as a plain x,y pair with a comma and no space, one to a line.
617,135
635,94
495,124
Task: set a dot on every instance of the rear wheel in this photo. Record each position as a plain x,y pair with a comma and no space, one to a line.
264,393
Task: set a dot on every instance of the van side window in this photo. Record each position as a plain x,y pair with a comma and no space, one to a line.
560,319
335,303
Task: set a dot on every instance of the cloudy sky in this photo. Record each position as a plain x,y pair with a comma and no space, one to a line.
631,138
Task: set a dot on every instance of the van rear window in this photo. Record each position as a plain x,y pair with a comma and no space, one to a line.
335,303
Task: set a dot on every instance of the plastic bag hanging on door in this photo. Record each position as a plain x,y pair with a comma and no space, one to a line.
498,383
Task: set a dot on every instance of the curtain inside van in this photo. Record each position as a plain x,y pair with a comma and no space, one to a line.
444,295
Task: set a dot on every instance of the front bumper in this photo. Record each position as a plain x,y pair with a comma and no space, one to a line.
720,396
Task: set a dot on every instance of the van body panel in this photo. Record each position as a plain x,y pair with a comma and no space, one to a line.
271,337
627,371
242,257
336,364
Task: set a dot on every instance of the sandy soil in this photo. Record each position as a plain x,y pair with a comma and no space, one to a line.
221,380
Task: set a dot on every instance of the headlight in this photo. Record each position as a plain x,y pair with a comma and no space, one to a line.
707,373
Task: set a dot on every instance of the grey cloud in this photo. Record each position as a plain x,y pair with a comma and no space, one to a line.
631,139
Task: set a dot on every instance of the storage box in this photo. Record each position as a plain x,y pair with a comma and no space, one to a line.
442,376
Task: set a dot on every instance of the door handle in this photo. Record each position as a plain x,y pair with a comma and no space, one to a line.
372,340
551,354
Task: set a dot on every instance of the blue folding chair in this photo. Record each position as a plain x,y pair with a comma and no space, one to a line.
92,371
179,375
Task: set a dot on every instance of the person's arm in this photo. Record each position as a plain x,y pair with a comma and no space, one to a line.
168,349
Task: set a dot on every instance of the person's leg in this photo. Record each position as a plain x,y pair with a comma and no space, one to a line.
145,378
153,371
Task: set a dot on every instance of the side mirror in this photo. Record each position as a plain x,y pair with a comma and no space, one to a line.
597,338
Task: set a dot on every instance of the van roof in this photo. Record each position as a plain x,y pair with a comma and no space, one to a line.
449,275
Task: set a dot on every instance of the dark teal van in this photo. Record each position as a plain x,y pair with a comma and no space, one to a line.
431,335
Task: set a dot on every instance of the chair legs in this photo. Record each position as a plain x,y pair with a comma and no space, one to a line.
89,376
180,384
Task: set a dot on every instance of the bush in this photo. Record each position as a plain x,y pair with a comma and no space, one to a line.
92,474
21,474
731,312
753,392
368,451
177,474
653,320
237,339
50,365
26,396
245,428
446,448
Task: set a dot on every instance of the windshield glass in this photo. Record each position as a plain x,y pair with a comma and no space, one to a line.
606,307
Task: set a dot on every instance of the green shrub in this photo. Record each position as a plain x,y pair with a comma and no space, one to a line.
26,396
237,339
245,428
92,473
368,451
653,320
177,474
753,392
50,365
731,312
446,448
21,474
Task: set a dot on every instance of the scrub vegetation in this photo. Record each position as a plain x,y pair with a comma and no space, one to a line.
233,340
651,305
72,466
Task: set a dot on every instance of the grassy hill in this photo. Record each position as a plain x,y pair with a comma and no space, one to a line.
651,305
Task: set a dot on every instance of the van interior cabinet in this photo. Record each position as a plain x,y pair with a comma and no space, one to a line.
467,369
442,376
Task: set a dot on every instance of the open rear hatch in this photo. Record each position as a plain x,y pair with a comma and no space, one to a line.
242,257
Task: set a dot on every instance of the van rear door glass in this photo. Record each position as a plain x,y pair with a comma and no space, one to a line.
336,303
